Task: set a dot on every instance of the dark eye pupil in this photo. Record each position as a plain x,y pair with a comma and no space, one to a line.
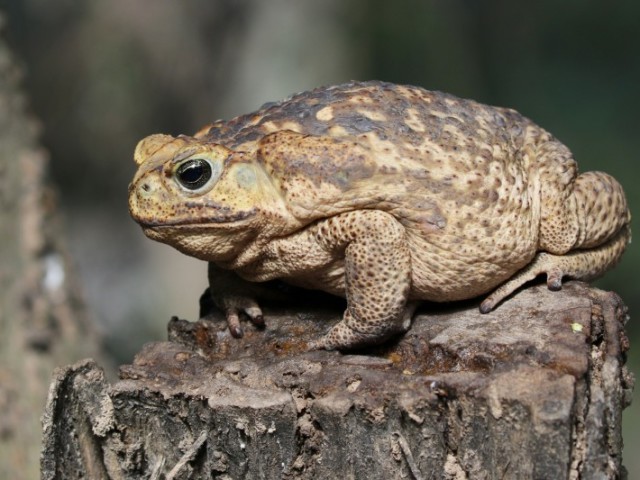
193,174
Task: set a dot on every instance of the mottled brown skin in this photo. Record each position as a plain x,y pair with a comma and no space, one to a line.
381,193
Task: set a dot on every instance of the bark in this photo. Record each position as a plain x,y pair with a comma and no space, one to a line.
42,321
534,389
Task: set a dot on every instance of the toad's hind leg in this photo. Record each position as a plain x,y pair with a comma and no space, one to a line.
581,235
577,264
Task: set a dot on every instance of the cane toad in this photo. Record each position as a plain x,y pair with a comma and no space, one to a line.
384,194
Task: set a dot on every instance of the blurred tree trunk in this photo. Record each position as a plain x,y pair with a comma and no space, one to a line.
42,321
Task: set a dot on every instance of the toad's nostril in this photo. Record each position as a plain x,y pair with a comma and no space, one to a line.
145,190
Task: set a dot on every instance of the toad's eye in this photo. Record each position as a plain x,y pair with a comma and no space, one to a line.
194,173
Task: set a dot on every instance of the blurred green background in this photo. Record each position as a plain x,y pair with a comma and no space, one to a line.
102,74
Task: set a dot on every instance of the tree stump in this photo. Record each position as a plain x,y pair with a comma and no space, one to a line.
534,390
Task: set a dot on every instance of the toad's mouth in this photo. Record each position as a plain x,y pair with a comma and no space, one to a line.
220,219
172,233
191,227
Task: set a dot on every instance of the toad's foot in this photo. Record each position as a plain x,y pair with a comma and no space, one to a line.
349,334
234,297
578,264
233,306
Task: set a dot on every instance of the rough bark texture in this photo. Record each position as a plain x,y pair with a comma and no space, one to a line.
42,321
533,390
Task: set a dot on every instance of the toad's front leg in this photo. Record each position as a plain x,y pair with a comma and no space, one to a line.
377,264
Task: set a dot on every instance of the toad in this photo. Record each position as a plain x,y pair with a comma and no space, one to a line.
383,194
